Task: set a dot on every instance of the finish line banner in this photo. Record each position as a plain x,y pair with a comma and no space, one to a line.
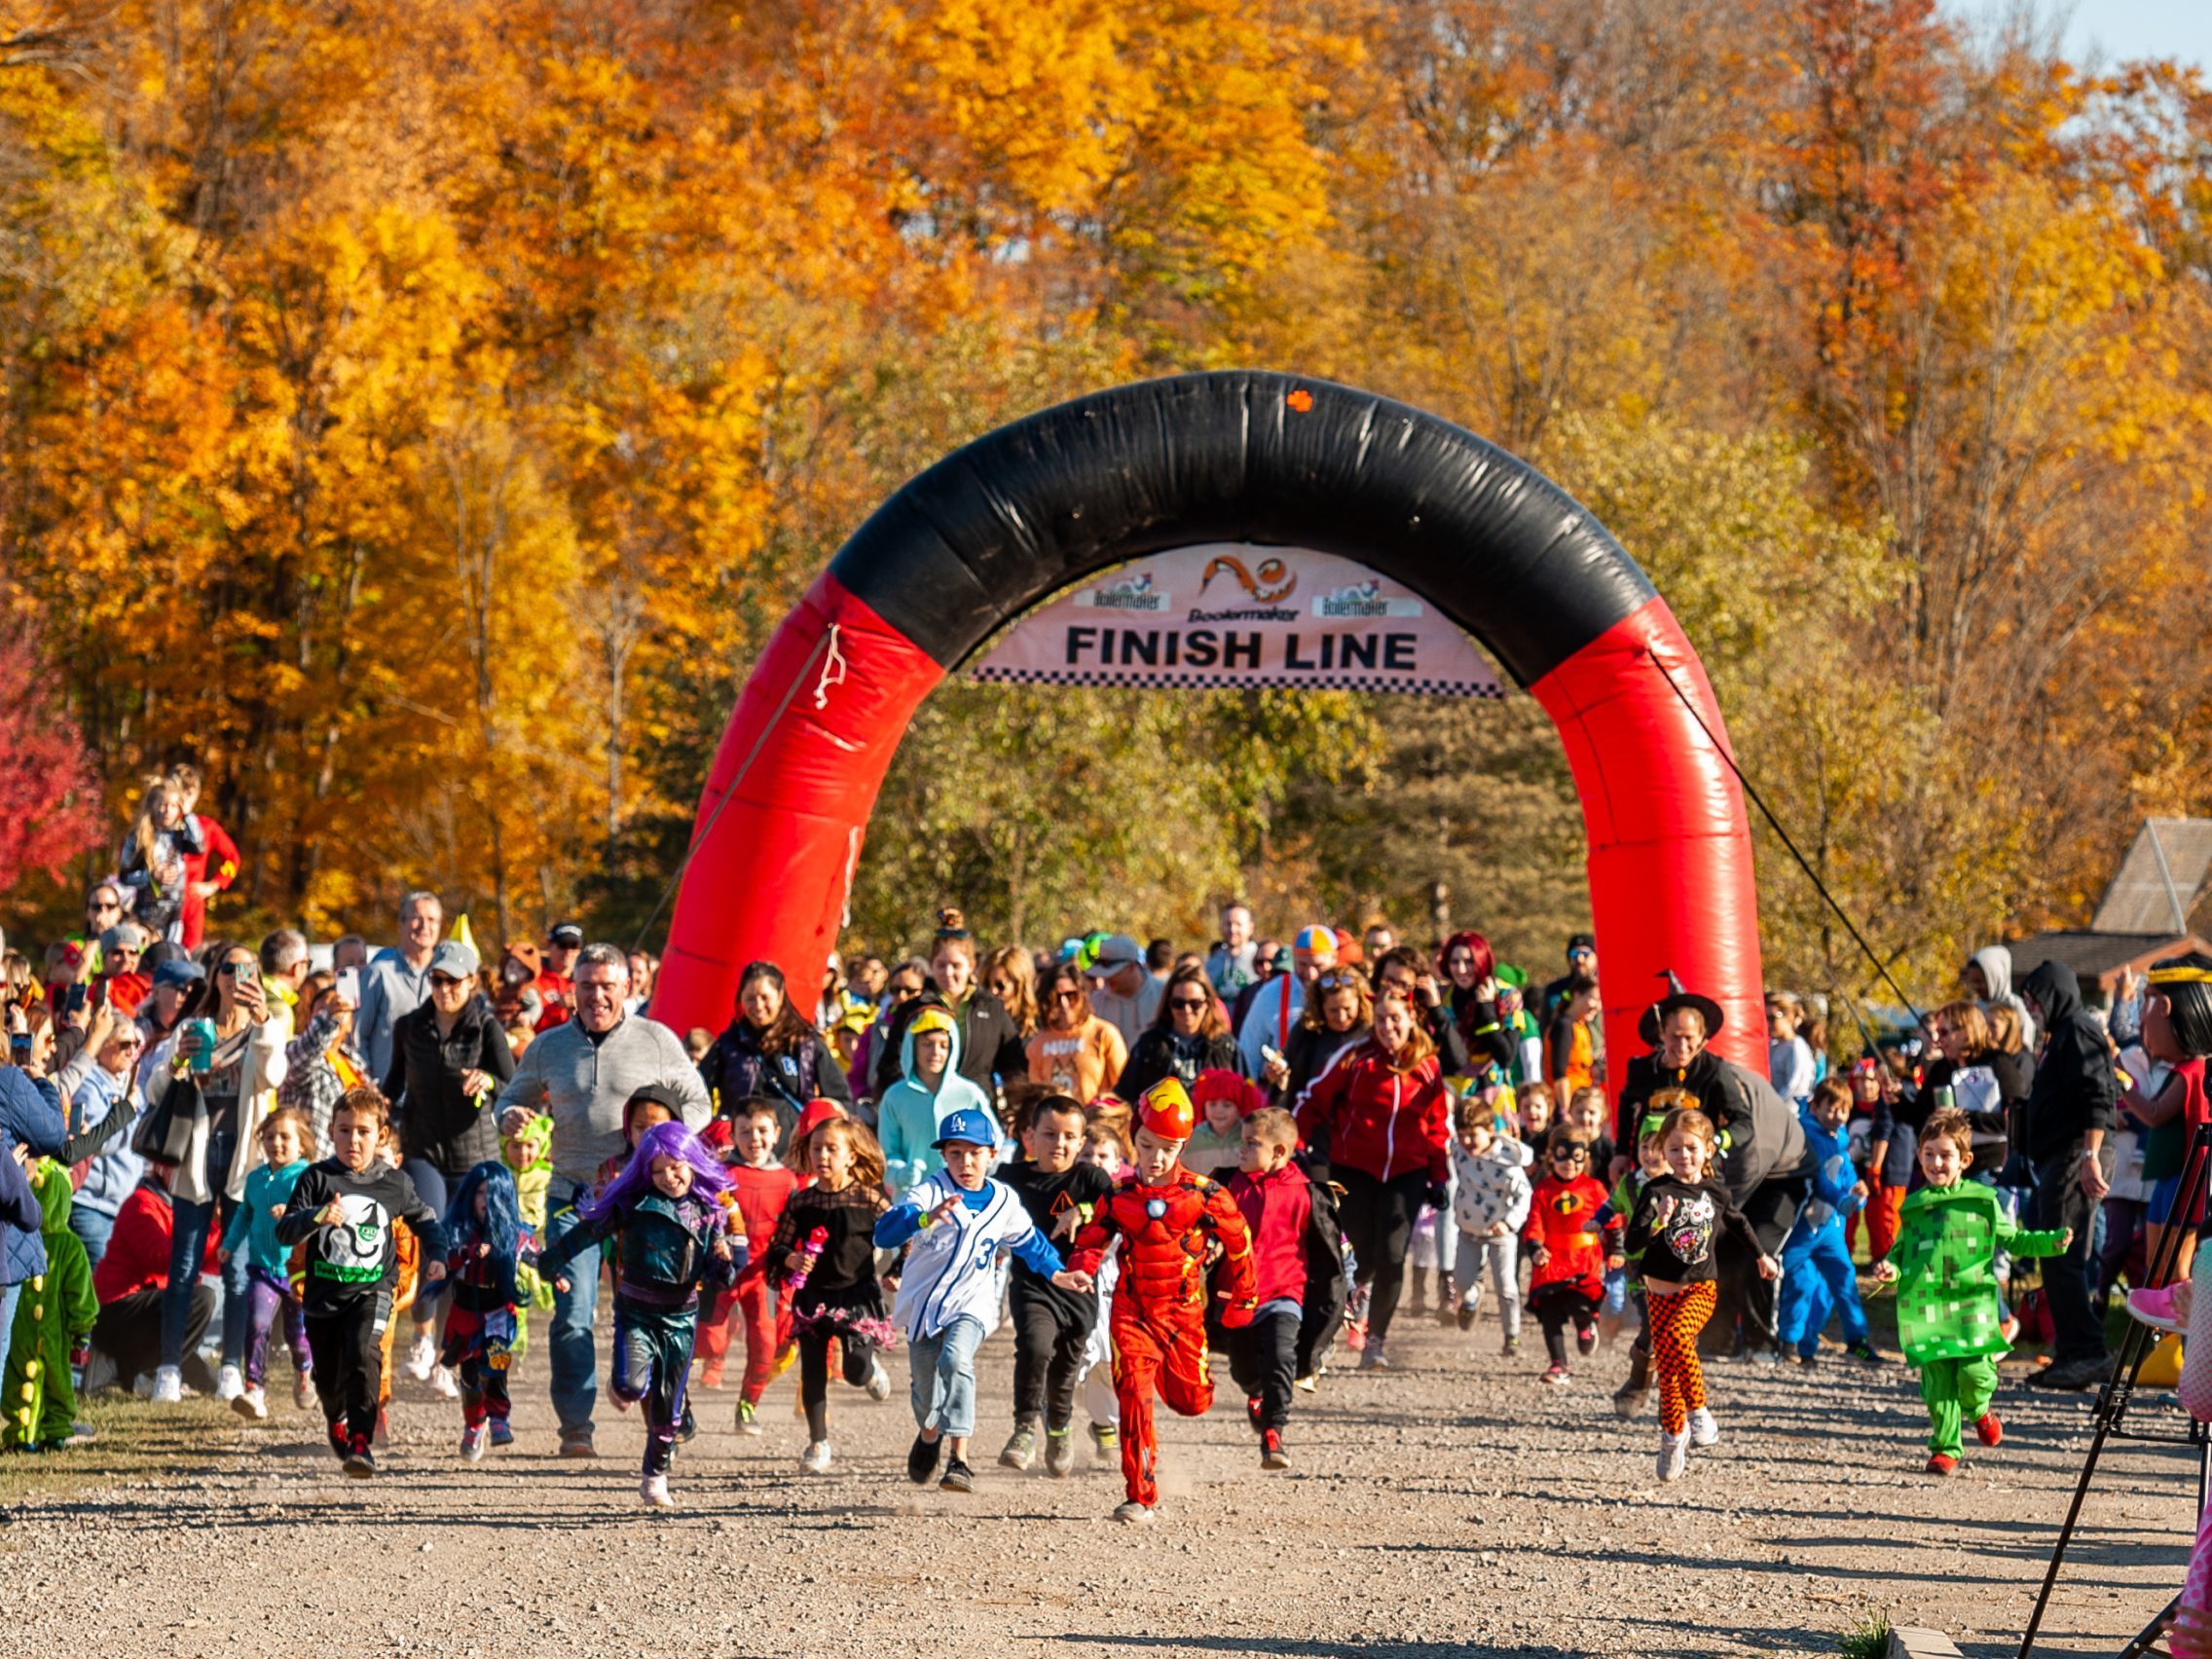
1229,615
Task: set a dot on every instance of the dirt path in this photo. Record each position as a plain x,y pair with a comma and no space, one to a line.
1455,1507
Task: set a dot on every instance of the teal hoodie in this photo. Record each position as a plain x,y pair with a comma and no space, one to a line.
908,1114
252,1227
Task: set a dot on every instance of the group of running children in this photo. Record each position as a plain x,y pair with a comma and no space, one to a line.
1104,1247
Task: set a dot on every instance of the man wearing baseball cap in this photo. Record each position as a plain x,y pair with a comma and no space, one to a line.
1121,992
556,989
1276,1008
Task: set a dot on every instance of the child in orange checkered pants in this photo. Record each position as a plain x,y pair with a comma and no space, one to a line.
1678,1218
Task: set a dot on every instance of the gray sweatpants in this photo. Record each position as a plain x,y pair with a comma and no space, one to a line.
1503,1256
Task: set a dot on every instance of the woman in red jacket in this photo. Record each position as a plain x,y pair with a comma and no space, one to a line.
1382,1115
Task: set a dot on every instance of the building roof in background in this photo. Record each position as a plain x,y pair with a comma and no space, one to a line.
2159,880
2095,955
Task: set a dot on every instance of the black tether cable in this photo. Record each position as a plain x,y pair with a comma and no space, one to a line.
1757,799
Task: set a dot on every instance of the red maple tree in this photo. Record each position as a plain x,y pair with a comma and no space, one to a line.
49,798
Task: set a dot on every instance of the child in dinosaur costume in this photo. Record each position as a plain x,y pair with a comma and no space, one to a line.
54,1317
1948,1235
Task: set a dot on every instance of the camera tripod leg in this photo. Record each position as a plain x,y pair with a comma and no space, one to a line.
2147,1637
2113,1398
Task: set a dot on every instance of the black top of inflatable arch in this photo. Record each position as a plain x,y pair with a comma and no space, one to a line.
1245,455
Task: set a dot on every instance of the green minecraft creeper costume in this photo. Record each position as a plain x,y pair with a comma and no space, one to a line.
54,1314
1947,1307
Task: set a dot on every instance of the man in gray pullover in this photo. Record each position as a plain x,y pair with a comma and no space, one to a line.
581,1074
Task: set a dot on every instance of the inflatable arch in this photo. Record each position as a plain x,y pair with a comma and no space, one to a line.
1000,526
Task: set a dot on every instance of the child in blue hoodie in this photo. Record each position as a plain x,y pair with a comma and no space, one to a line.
1817,1275
284,1146
930,1090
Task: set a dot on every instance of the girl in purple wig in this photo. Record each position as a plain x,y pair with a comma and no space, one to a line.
670,1204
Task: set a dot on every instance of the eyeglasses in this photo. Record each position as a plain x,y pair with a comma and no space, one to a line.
1195,1005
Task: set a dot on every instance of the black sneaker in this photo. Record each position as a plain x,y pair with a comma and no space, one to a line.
921,1460
689,1427
2071,1376
360,1461
958,1477
1865,1352
1272,1454
1466,1318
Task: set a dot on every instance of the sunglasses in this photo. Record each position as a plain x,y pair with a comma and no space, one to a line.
443,982
901,993
1337,981
1195,1004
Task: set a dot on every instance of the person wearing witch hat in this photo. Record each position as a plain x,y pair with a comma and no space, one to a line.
1765,1163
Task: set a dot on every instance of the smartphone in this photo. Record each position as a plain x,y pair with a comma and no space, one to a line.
74,1001
20,1047
349,987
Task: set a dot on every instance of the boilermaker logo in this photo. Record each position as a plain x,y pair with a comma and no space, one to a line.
1271,582
1134,593
1363,599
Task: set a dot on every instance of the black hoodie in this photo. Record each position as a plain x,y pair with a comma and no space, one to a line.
2073,1092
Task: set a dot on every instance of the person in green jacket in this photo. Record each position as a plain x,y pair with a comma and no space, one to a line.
1943,1264
54,1318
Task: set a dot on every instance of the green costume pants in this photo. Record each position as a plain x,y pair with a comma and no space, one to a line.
1958,1391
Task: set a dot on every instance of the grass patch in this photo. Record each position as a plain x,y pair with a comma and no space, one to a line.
137,1442
1869,1639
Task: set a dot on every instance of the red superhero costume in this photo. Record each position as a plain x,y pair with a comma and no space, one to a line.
1167,1233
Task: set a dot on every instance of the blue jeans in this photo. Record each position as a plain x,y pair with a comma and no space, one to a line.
569,1344
188,1247
93,1230
7,1293
944,1377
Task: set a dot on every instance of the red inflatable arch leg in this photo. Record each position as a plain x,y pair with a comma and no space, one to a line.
1003,523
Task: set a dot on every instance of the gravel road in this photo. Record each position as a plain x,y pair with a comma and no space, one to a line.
1453,1506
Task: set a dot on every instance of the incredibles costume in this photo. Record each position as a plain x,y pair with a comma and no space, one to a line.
666,1258
1948,1310
55,1314
1167,1233
1571,1222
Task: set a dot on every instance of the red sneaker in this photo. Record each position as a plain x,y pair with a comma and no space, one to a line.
1943,1463
1989,1429
1355,1335
1252,1412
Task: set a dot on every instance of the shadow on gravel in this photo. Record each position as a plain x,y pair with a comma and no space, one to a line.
1321,1649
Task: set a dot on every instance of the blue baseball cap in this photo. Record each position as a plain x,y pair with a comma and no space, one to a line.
969,1124
179,972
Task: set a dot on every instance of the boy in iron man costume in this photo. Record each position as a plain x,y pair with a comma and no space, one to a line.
1169,1222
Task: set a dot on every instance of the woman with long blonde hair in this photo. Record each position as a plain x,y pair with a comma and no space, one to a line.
151,864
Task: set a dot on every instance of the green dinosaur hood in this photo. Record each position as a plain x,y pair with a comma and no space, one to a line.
51,1181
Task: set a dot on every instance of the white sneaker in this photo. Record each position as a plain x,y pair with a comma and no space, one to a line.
422,1355
1673,1455
878,1380
444,1384
815,1459
251,1404
229,1384
168,1385
473,1440
1133,1514
653,1489
100,1373
303,1389
1704,1430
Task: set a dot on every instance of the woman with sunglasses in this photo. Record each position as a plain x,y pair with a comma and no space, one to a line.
1010,975
1381,1116
449,1059
1339,1013
1074,1052
1189,1035
231,1042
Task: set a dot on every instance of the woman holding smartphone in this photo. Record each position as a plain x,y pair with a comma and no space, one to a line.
231,1042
